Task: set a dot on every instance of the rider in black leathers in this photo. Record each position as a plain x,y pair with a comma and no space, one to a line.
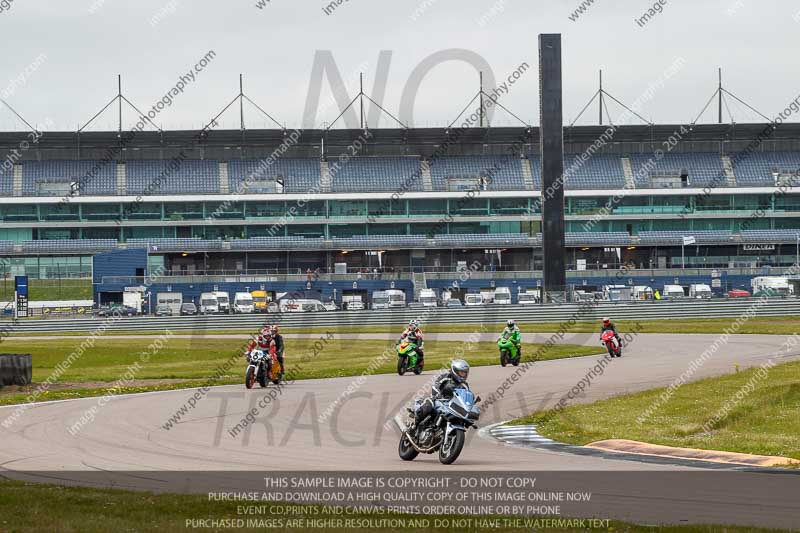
443,388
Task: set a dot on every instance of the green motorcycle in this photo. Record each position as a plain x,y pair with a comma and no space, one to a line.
408,358
509,352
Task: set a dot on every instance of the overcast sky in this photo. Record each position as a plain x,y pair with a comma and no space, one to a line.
81,46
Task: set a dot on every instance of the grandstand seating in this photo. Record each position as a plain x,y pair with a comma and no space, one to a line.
756,169
299,174
597,238
676,237
703,168
598,172
376,174
505,171
770,236
149,176
92,177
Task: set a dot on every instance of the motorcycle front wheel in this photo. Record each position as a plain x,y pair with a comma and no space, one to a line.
250,377
503,357
451,447
401,365
406,451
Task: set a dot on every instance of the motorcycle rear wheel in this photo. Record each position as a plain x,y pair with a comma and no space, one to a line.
406,451
451,447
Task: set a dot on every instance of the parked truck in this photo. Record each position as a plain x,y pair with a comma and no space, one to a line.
699,291
771,286
397,298
502,296
260,301
208,304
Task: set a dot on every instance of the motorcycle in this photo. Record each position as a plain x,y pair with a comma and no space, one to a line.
443,431
509,352
611,343
408,358
263,367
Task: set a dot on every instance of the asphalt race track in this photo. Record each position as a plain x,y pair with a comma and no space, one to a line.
128,433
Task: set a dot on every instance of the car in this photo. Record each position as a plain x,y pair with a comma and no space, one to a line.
163,310
454,302
188,308
416,305
330,306
739,293
116,309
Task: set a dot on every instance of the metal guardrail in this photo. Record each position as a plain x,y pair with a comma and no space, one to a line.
431,315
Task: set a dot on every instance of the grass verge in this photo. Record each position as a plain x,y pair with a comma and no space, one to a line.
761,415
195,359
29,508
786,325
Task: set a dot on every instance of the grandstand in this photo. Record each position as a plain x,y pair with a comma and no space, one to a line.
402,202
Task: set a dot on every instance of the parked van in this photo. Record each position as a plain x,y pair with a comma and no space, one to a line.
699,291
673,292
380,300
224,301
473,299
172,300
528,297
243,302
502,296
259,301
300,305
397,298
208,304
427,297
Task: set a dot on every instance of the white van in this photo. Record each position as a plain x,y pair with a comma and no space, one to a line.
502,296
427,297
208,303
243,302
673,292
380,300
173,300
699,291
473,299
397,298
528,298
223,301
300,305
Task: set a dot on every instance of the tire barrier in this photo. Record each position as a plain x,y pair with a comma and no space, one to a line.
15,369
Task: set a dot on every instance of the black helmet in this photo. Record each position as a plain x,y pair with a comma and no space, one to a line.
459,370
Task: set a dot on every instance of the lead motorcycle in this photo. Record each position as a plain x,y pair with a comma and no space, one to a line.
408,357
444,430
611,343
509,353
263,367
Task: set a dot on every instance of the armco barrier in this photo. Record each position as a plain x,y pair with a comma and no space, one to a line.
487,314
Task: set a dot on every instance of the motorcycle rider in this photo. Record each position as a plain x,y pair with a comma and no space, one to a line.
609,326
514,335
443,388
413,334
277,338
258,342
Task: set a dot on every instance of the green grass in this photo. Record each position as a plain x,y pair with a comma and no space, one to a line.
765,422
49,289
32,508
198,358
762,325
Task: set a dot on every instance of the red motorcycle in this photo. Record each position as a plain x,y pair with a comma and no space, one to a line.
613,346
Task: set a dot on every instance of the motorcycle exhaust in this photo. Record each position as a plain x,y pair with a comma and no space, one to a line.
421,450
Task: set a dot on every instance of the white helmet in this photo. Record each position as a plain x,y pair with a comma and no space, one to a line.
459,370
511,323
